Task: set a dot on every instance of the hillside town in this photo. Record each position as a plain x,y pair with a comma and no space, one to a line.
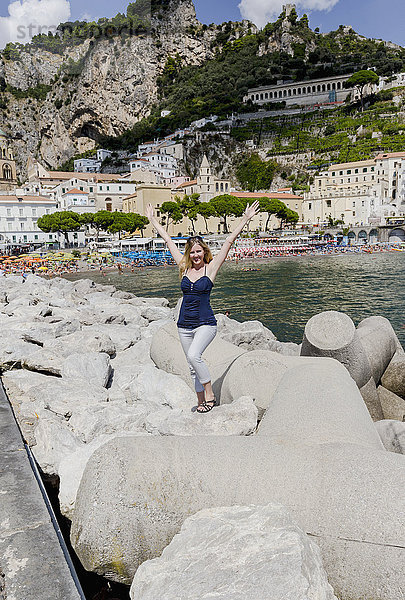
362,196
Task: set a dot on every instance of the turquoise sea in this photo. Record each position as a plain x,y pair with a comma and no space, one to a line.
285,292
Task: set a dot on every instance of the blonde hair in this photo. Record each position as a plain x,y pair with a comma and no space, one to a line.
185,262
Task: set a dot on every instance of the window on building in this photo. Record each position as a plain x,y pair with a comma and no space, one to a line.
14,238
354,213
22,226
328,203
91,189
340,172
108,206
48,211
34,212
35,237
349,171
362,202
354,204
21,212
9,212
217,187
309,205
372,169
10,226
50,236
356,170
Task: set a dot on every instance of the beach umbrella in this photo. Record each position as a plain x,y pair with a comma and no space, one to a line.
42,268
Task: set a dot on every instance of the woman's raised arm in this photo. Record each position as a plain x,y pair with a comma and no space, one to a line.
174,251
250,211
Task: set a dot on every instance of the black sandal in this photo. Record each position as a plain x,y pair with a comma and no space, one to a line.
204,408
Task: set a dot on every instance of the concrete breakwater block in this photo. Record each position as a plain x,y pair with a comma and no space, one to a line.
366,351
260,372
167,354
317,454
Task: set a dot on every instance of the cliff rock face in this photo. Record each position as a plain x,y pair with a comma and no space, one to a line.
101,87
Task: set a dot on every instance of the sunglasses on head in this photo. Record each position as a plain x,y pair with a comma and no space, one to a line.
196,238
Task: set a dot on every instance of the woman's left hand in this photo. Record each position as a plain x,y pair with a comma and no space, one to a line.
251,210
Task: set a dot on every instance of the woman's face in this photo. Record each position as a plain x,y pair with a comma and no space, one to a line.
197,255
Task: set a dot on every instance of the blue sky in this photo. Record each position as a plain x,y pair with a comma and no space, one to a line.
372,18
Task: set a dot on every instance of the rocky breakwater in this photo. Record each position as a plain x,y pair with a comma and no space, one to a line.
316,451
116,429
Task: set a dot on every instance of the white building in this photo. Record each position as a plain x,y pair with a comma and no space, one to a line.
86,165
304,93
18,220
93,164
161,164
347,192
77,201
390,168
359,193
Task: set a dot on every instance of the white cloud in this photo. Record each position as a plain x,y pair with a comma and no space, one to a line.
263,11
27,18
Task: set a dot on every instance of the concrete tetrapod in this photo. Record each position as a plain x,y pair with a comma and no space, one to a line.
317,452
167,354
334,335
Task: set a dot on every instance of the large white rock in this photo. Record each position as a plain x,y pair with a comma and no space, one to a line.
238,418
394,376
236,553
108,418
393,406
54,441
88,339
93,367
392,434
252,335
151,386
44,361
122,336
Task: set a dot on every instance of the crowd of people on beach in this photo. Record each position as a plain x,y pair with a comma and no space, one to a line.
56,264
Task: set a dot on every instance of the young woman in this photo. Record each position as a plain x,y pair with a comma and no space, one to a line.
196,323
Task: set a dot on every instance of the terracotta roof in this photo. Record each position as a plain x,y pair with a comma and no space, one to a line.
85,176
186,184
351,165
272,195
75,191
390,155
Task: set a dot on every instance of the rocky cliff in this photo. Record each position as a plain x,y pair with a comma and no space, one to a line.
96,87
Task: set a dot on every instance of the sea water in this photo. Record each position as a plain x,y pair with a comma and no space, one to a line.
283,293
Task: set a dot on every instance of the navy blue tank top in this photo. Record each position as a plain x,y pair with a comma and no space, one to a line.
195,308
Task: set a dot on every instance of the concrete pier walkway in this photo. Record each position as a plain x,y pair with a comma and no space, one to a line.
31,557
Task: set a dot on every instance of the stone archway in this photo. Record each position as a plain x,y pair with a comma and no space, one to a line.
7,172
396,235
373,236
362,236
351,236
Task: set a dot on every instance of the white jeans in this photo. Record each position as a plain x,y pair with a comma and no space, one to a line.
194,342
